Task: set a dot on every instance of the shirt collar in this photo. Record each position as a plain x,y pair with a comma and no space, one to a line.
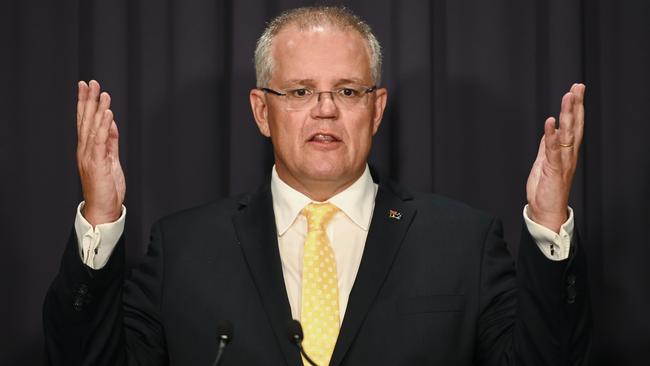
357,201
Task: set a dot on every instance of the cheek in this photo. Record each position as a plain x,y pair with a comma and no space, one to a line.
277,121
361,135
287,135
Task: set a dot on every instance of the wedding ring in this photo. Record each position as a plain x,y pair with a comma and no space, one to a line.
566,145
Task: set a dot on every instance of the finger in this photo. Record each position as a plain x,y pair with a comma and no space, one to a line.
567,120
552,143
99,141
536,170
113,140
82,95
90,108
103,105
578,91
541,150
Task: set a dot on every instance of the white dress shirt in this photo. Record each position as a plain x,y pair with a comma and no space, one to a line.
347,233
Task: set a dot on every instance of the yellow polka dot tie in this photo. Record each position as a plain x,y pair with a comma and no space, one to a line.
320,286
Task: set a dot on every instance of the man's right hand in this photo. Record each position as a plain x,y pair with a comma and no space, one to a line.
98,160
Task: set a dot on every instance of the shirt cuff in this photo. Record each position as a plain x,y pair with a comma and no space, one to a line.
554,246
96,244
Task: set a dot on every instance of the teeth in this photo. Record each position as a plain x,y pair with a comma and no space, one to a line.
324,138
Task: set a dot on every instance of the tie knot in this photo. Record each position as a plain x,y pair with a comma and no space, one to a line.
319,215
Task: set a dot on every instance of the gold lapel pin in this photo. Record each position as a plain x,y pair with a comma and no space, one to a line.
394,214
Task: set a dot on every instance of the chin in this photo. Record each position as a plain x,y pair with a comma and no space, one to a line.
325,171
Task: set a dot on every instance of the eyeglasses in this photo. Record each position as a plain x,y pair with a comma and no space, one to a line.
348,97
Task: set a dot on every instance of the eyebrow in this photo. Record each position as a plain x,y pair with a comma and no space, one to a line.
301,81
350,81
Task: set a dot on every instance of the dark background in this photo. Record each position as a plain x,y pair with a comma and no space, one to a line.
470,84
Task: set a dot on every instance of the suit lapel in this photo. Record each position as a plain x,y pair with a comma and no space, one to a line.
255,226
390,222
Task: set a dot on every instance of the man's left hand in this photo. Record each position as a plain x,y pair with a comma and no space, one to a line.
549,182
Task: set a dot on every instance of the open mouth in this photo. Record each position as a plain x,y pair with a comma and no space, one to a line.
324,138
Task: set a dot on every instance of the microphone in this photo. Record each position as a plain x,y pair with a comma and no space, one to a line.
224,335
294,330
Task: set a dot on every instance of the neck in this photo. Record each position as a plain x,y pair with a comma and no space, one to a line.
316,189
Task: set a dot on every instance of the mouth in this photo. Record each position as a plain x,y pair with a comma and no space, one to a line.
324,141
324,138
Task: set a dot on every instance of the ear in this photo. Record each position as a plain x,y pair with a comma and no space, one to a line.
260,111
381,97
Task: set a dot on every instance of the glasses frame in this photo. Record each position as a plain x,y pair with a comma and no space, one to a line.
318,93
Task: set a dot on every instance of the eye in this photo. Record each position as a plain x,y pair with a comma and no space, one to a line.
299,93
348,92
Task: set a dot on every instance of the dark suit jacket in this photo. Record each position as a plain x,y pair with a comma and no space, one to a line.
436,287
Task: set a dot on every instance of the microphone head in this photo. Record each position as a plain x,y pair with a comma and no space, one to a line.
294,330
225,331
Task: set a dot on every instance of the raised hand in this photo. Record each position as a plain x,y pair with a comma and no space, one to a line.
549,183
98,161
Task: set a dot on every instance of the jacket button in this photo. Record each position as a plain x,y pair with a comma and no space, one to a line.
78,303
571,279
570,294
80,298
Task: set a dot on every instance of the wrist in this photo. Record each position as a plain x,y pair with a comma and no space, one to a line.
97,217
550,220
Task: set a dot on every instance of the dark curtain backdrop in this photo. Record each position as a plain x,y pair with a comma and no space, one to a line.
470,85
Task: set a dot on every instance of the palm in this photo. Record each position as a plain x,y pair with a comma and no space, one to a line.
549,182
102,177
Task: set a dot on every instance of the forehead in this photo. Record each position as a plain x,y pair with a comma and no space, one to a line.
323,54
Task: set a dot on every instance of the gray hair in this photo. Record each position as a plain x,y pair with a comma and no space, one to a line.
307,18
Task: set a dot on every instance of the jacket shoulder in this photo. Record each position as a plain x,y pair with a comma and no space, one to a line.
434,206
440,207
210,213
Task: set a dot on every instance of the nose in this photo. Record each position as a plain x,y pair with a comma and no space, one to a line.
325,106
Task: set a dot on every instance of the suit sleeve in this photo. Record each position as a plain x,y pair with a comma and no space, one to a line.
95,317
536,314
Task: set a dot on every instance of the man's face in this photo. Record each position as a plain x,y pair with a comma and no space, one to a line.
323,147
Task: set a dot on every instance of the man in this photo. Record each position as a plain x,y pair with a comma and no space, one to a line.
377,275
